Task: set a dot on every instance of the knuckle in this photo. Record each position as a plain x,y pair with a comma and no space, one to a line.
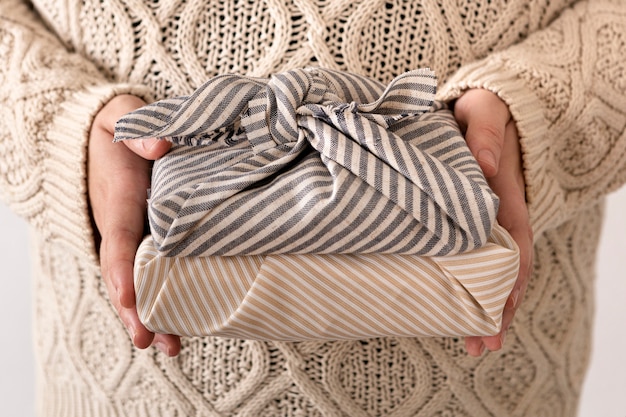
492,134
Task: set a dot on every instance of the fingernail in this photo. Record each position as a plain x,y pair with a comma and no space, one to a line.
482,348
502,337
515,296
487,157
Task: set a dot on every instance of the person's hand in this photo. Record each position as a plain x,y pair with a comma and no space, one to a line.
492,137
118,177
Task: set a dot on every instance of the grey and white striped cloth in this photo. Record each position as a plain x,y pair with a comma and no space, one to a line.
348,210
312,161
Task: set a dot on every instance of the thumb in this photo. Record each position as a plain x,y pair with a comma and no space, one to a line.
483,117
150,149
121,105
484,139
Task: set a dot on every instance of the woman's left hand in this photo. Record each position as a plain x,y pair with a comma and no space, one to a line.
118,177
492,137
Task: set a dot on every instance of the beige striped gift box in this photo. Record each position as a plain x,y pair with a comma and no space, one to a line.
317,204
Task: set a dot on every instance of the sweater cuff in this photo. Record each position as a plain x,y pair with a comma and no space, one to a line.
543,194
68,220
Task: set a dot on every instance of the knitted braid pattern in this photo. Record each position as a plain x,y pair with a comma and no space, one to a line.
565,85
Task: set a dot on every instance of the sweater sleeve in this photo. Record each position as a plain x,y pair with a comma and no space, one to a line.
566,88
48,99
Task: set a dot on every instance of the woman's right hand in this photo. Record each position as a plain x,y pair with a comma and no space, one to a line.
118,179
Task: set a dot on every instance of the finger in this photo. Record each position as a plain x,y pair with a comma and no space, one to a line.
513,212
522,234
474,345
121,105
118,180
117,252
485,142
140,336
123,194
149,149
517,294
513,216
121,244
167,343
496,342
483,116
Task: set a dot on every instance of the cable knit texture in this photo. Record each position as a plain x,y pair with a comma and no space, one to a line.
559,64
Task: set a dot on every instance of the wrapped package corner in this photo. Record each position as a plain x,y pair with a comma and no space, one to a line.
318,205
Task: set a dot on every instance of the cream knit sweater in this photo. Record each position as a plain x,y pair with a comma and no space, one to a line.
562,70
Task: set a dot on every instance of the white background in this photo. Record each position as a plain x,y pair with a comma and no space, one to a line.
605,389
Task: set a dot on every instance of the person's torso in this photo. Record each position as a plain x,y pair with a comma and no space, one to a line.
174,46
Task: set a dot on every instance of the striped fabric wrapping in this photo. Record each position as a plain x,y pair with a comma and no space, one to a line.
327,296
317,205
312,161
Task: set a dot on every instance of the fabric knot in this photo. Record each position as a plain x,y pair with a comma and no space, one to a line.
313,161
269,110
272,114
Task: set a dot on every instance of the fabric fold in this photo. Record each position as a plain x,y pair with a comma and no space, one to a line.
312,161
327,297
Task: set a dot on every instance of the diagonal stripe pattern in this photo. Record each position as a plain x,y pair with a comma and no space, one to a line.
312,161
327,297
348,210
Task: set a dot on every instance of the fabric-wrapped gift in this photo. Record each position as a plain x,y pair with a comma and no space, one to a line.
317,204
